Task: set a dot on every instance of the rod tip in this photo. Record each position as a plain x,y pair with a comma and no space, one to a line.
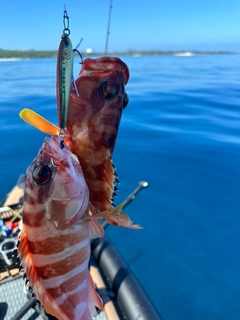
143,184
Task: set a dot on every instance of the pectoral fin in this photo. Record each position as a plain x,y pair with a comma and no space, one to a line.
96,229
115,217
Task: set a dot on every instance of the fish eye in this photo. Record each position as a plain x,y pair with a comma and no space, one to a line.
125,100
108,90
42,174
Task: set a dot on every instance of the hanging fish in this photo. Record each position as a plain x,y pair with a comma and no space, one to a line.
92,126
64,199
54,246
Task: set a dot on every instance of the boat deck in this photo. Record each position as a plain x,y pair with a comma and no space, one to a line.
13,297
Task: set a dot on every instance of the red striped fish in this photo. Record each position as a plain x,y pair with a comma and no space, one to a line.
92,127
54,246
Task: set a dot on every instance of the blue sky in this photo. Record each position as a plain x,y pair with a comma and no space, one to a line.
135,25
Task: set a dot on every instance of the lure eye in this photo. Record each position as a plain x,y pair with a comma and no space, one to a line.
125,100
65,41
42,174
108,90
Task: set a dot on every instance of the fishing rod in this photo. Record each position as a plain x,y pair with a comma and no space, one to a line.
108,27
28,305
130,197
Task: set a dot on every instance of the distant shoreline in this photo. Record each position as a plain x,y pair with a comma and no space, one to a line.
34,54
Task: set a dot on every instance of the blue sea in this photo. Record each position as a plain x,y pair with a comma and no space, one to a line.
181,134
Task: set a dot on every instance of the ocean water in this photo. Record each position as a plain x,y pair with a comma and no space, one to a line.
181,134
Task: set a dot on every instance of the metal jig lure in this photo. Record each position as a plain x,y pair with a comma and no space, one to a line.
64,75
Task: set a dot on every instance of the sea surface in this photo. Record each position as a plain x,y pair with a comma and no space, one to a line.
181,134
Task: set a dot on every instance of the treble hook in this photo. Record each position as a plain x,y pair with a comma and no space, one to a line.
76,50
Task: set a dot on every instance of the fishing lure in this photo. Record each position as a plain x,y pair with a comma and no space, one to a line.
64,74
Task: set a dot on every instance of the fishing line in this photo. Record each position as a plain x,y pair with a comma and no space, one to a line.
66,30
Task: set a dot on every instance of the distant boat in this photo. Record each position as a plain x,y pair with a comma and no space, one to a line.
12,59
136,55
184,54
